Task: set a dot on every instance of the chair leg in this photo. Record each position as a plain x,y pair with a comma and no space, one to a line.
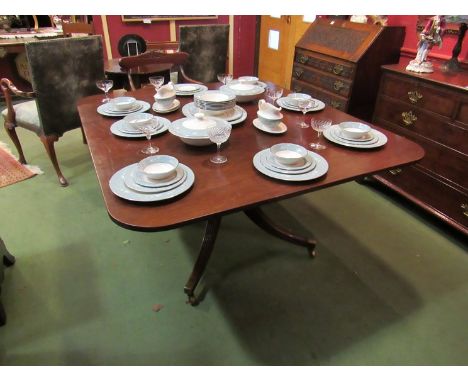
14,137
48,142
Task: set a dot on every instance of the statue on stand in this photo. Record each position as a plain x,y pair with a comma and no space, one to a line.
431,35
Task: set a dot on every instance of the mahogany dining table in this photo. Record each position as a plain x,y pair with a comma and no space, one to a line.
234,186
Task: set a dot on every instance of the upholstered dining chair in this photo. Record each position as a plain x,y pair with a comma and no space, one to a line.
62,71
6,260
177,59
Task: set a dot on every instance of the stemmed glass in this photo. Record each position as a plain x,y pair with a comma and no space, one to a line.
105,86
319,125
148,128
274,93
219,134
305,104
156,81
225,78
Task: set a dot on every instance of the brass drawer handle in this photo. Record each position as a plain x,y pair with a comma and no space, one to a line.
395,171
464,208
338,85
408,118
338,69
335,104
302,58
297,89
298,72
414,96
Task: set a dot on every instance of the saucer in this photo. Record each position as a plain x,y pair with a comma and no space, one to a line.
175,105
279,129
142,107
380,139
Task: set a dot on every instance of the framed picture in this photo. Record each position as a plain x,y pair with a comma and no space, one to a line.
136,19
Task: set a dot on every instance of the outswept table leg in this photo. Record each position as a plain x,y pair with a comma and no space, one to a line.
264,222
209,238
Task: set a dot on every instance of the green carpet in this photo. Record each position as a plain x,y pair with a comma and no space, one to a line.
388,286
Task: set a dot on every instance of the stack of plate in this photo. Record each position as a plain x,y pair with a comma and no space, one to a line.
233,116
123,129
214,102
188,89
286,103
109,110
131,184
312,167
243,92
370,141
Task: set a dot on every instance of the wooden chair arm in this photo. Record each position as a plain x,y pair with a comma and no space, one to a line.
186,78
8,88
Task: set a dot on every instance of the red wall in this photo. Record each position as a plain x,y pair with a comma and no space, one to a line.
244,36
411,40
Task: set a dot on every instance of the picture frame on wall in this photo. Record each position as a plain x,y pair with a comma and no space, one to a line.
134,18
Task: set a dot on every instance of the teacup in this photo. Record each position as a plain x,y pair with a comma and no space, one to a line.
123,103
251,80
288,153
158,166
164,102
354,130
295,98
269,120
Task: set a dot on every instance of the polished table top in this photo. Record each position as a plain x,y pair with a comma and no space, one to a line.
235,185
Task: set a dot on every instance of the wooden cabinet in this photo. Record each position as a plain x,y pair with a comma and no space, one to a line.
339,63
431,109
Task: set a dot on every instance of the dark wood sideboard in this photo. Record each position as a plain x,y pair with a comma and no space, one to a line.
431,109
339,63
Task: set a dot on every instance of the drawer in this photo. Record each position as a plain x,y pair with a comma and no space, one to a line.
325,64
322,80
420,122
429,193
420,94
330,99
462,115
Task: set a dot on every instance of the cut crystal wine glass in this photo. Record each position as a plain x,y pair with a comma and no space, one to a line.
274,93
305,104
319,125
148,128
156,81
225,78
105,86
219,134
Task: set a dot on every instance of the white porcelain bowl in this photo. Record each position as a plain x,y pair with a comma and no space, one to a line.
123,103
295,98
248,80
158,166
243,92
137,120
288,153
354,130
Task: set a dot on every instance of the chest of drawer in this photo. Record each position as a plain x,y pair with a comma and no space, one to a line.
328,82
437,197
420,94
418,121
325,64
330,99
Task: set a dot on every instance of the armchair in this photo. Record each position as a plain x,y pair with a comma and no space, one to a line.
62,71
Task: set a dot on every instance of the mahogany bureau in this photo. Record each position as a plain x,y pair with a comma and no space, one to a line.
431,109
339,62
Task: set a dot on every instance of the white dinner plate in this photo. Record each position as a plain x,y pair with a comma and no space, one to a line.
279,129
286,105
145,106
132,174
118,187
308,163
331,136
179,89
189,110
320,169
116,130
265,160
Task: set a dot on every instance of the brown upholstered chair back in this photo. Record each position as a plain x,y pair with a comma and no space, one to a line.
62,71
